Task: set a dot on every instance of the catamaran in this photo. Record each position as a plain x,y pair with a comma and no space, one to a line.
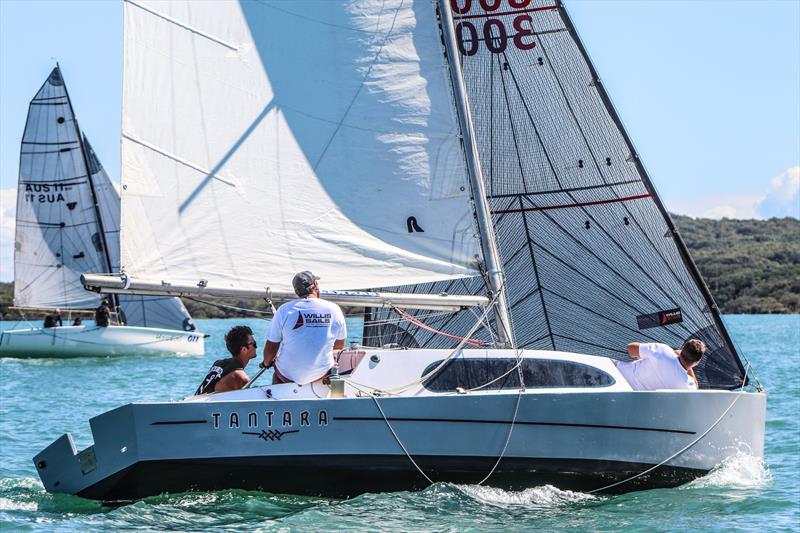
68,223
455,168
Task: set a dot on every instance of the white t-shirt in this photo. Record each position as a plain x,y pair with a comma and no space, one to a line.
658,367
306,329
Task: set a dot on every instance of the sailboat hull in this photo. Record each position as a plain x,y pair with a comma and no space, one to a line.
344,447
91,341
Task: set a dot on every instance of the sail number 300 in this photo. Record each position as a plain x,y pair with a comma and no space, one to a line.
495,34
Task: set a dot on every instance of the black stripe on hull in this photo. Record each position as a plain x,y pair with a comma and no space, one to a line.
348,476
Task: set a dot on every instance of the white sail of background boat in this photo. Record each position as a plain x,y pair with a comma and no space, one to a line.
370,141
67,224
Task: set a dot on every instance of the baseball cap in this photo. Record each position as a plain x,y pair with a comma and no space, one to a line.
303,281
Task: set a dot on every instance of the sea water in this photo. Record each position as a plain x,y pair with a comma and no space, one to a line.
41,399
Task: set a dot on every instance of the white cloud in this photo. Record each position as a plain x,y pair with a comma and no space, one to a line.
781,200
8,217
783,197
718,206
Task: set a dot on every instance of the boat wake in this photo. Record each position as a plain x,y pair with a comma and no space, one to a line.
740,471
546,496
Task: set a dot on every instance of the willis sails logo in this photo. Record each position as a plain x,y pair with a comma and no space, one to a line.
312,320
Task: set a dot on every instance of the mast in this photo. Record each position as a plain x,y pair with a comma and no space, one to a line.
494,265
673,231
100,228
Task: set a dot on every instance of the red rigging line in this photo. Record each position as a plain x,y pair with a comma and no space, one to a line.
503,13
563,206
420,324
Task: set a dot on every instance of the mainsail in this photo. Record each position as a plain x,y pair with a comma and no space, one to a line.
68,218
591,258
265,138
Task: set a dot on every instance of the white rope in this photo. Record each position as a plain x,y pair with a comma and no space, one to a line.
508,439
676,454
413,462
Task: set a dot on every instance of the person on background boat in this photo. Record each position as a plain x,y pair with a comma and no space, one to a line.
657,366
307,331
51,321
228,374
78,321
102,315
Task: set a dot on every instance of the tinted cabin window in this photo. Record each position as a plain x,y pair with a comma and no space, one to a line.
537,373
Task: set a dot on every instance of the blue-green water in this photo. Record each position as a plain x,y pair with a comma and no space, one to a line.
41,399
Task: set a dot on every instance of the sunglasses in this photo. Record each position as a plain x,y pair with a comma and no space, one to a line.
253,344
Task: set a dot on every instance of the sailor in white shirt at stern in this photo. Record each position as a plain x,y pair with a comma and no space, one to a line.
657,366
307,331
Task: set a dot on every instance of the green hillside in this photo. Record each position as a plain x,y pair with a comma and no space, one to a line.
751,266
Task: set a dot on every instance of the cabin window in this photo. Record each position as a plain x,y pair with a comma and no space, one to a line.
537,374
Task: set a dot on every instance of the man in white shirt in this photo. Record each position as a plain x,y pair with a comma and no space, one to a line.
657,366
307,331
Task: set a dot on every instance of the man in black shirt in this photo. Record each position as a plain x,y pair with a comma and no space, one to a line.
228,374
102,315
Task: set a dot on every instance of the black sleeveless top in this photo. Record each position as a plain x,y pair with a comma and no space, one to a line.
218,370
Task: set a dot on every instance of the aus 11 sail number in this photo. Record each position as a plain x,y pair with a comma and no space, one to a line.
492,31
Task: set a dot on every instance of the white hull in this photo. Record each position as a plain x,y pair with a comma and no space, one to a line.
92,341
260,439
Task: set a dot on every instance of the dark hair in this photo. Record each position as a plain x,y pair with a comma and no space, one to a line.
237,338
693,350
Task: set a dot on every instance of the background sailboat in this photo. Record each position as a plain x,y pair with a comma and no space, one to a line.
68,223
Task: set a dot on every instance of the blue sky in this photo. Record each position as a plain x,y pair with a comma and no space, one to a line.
708,90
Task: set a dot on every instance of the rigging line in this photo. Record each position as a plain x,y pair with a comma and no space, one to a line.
600,226
508,437
396,438
676,454
529,243
225,306
361,85
454,352
503,13
413,320
565,206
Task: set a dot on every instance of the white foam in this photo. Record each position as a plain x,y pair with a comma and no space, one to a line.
544,496
740,470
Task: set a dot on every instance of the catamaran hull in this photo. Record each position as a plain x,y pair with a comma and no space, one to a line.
92,341
345,447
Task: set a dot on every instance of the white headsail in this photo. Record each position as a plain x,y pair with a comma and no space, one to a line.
265,138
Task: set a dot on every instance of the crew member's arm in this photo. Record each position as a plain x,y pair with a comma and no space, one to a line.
270,352
633,350
340,329
233,381
690,371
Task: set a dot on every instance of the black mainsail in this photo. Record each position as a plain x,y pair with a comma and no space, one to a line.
592,260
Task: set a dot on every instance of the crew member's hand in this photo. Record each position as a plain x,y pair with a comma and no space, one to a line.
263,365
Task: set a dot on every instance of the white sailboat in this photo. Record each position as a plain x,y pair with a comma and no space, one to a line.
67,223
389,143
